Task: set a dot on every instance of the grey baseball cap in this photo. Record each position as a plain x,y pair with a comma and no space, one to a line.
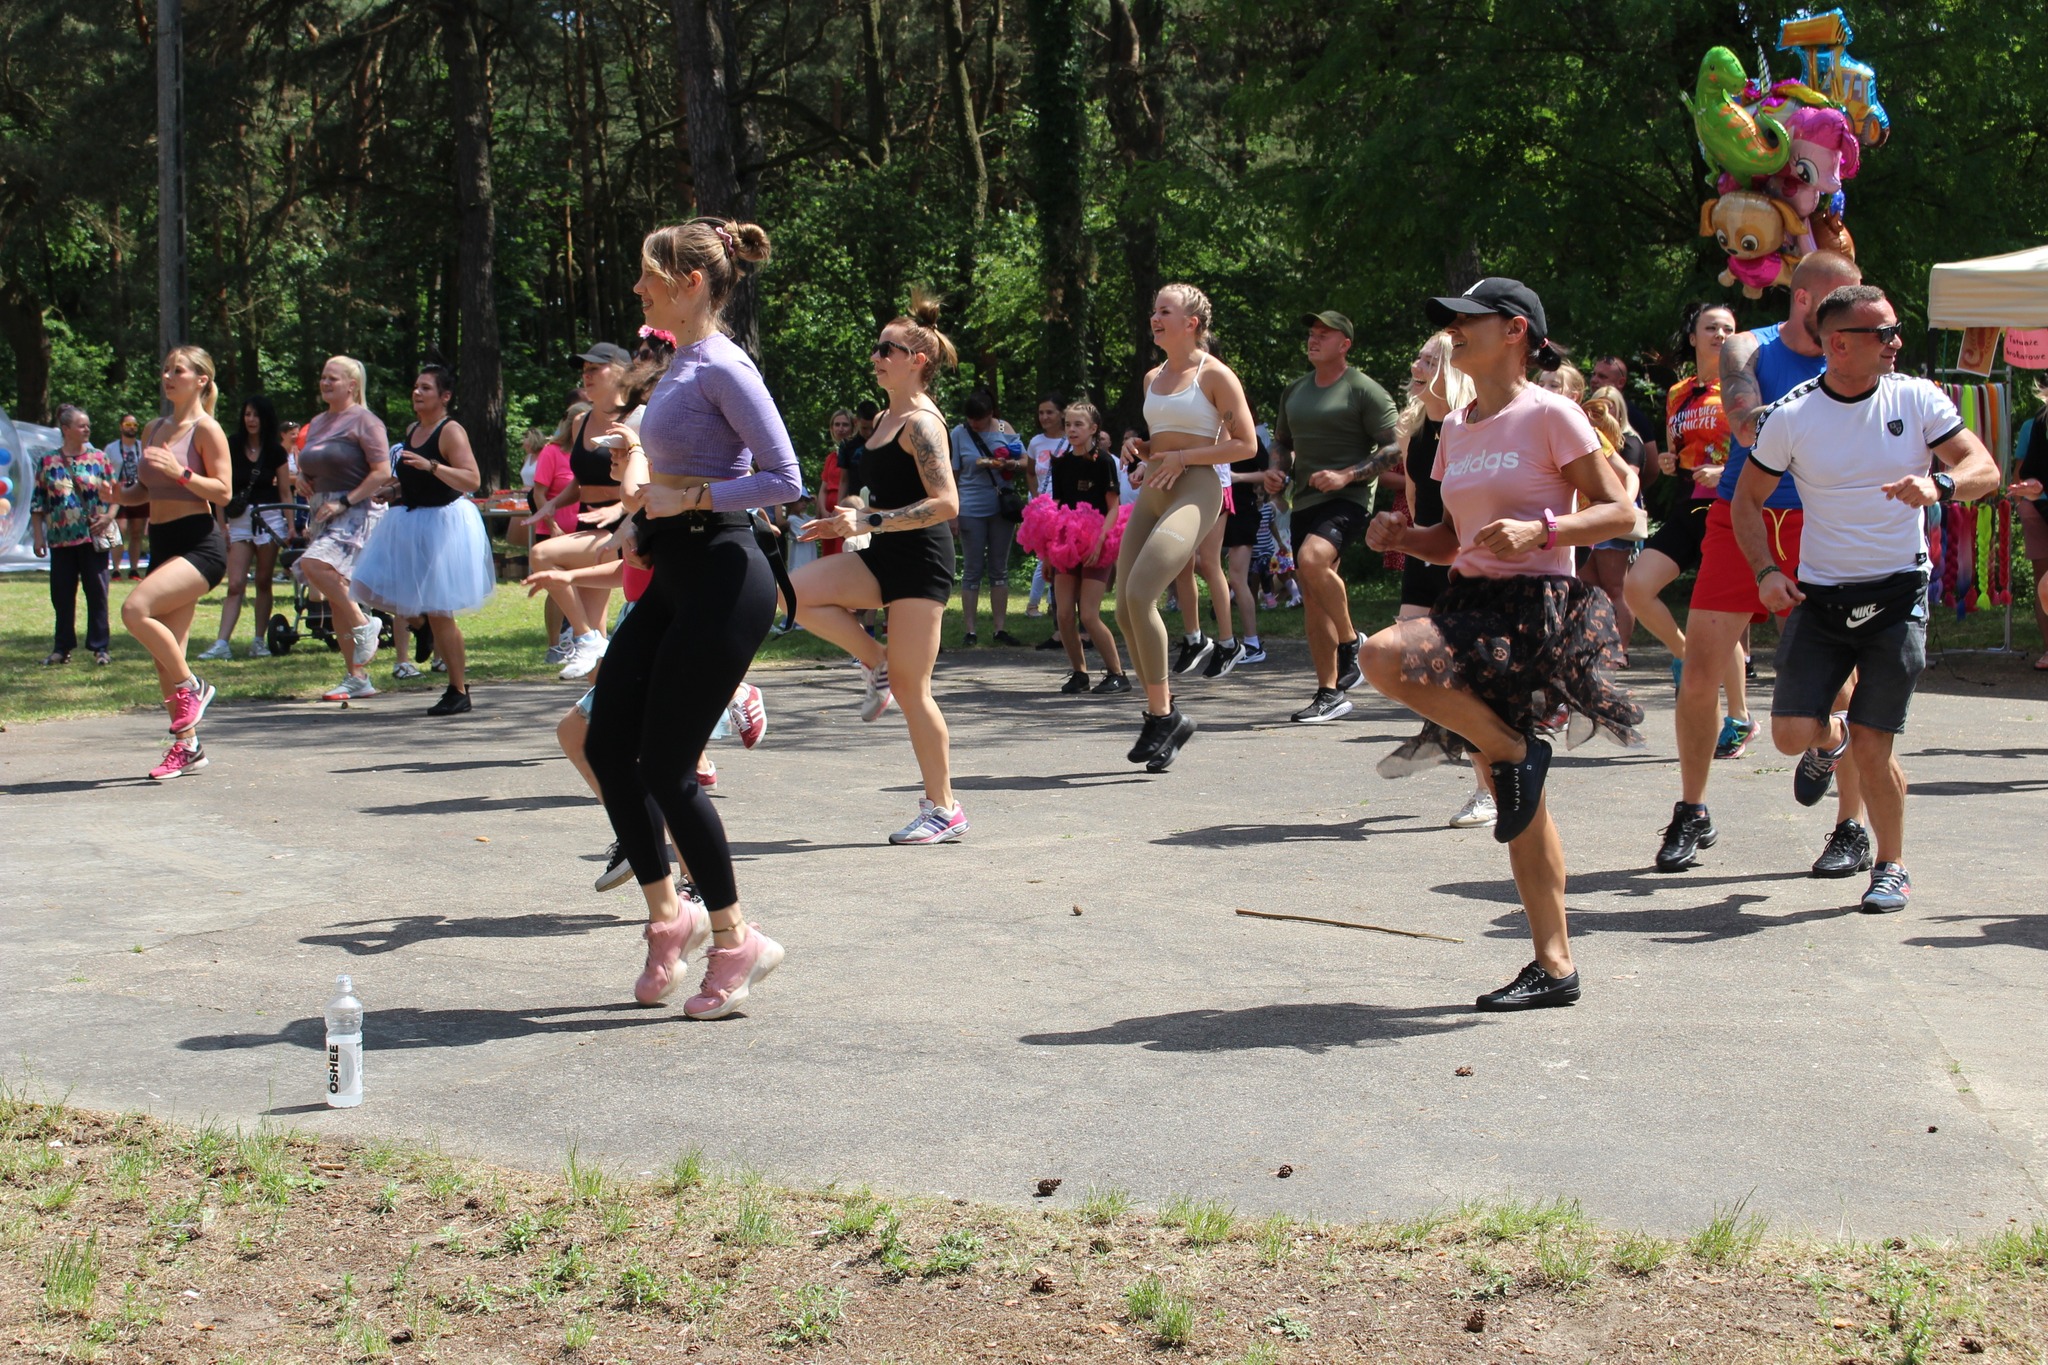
604,353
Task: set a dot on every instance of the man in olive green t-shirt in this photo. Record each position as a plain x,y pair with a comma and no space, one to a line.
1335,437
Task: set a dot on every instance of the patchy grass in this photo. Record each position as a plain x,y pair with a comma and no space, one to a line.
213,1244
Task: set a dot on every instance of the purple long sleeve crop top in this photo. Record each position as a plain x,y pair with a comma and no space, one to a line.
711,416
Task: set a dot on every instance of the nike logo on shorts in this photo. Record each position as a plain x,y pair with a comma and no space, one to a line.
1861,615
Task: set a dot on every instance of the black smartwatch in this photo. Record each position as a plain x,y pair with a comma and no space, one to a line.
874,520
1944,488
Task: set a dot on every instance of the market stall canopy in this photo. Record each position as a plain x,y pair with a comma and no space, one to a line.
1997,291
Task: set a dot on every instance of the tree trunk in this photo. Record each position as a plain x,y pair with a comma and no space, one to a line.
1059,154
961,82
872,78
21,322
480,378
1137,116
724,165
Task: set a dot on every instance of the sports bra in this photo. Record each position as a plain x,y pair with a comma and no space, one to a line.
162,489
592,469
1187,411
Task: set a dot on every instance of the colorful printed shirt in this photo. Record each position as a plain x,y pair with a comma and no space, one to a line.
1697,427
67,494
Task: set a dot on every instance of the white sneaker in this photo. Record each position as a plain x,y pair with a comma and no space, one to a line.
876,699
364,638
1477,811
585,657
558,653
934,824
747,715
350,688
439,664
405,669
217,651
258,649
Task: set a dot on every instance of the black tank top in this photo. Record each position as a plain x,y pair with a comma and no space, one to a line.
890,473
592,469
423,487
1425,494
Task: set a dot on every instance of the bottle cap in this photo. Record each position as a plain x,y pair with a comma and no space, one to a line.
344,985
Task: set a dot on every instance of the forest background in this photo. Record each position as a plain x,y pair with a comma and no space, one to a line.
469,180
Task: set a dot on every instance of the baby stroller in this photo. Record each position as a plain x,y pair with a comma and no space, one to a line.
311,616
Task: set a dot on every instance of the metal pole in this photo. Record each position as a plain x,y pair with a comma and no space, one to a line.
170,175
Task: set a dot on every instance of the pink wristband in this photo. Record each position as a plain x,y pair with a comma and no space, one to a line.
1550,525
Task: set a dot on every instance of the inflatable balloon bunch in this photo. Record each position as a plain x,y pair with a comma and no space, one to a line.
1779,151
16,480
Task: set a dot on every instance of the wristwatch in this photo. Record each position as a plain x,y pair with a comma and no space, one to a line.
1944,488
874,520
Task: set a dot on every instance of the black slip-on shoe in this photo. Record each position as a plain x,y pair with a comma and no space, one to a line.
1518,790
1075,685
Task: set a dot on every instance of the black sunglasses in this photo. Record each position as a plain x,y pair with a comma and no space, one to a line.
1885,335
884,346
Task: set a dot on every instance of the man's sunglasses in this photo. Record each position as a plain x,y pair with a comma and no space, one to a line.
1885,335
885,346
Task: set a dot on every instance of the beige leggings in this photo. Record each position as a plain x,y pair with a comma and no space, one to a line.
1162,535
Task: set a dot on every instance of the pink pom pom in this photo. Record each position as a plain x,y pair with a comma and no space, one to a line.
1040,522
1115,540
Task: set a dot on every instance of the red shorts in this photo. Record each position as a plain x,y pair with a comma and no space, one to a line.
1726,581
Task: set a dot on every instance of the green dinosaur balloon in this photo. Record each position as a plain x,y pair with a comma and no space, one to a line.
1734,141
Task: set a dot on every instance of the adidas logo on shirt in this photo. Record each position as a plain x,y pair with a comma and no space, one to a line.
1482,462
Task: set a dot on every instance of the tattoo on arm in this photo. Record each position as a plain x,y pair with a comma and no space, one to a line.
935,467
1382,460
1741,394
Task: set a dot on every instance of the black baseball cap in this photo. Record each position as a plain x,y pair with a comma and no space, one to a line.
1499,296
604,353
1331,319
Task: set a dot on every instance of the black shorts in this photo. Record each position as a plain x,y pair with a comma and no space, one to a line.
1423,582
1337,520
912,563
1680,536
1816,656
1241,527
196,538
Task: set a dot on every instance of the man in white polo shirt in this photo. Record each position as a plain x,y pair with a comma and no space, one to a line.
1856,442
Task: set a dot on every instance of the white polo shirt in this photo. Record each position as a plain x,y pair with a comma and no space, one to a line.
1841,452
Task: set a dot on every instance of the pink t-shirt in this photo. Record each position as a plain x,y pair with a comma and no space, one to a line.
1511,466
551,475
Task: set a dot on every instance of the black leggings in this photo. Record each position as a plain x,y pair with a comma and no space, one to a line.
668,674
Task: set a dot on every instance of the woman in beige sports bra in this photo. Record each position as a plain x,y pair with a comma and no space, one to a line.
183,473
1196,411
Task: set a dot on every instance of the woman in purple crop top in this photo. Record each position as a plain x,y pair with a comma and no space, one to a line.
343,466
712,445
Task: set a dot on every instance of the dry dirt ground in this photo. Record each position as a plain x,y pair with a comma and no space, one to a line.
126,1239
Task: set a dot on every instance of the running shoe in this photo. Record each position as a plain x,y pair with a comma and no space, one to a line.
1533,989
1677,673
422,642
1327,705
1816,770
184,756
1560,716
669,945
1150,732
1194,655
968,641
1075,685
1176,730
585,656
452,703
1003,637
405,670
1735,736
1890,888
875,700
1518,790
438,666
350,688
1051,642
1349,675
189,703
1112,684
617,871
258,648
1226,656
364,640
558,653
217,651
748,715
1477,811
934,824
101,658
1253,654
1691,829
707,776
1847,851
731,973
1423,752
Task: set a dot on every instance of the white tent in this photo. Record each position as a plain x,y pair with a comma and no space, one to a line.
1997,291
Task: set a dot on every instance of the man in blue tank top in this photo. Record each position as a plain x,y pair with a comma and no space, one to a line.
1757,369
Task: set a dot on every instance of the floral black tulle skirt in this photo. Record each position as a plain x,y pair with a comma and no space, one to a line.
1526,646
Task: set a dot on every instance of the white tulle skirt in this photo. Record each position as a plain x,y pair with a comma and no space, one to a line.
426,561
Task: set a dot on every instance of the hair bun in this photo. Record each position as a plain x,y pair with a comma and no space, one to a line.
924,306
750,242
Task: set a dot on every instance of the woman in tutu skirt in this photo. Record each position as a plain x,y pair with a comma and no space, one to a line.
431,557
1076,530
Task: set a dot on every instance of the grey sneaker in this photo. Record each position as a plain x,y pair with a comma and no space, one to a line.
349,689
363,639
217,651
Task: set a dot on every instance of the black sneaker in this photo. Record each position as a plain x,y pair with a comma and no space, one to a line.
1224,658
452,703
1691,829
423,641
1151,734
1518,790
1847,853
1890,888
1075,685
1348,673
1193,655
617,871
1051,641
1327,705
1177,730
1003,637
1111,684
1533,989
967,641
1816,770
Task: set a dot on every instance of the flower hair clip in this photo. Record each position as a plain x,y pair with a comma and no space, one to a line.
667,339
731,247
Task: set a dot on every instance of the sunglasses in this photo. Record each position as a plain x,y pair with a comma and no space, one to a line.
885,346
1885,335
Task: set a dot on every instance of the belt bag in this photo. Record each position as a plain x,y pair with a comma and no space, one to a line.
1870,608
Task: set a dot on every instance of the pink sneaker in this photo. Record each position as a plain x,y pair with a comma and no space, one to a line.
729,973
668,947
179,759
749,715
188,704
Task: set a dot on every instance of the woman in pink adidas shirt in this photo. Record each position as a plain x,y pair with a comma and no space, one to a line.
1516,633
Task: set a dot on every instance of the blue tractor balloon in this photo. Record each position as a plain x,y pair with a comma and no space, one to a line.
17,481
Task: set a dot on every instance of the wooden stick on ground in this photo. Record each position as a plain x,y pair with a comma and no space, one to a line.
1351,924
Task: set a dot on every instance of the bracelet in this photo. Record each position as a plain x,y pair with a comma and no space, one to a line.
1550,525
1765,572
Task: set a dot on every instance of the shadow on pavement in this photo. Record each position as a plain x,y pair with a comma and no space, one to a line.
484,805
469,767
1025,782
1715,923
80,785
1629,881
2012,788
408,930
1992,930
1244,836
414,1028
1307,1028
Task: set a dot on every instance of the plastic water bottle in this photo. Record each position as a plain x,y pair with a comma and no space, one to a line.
344,1046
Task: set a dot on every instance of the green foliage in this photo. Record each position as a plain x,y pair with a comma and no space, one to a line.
1287,1325
754,1222
1101,1206
639,1286
1566,1258
71,1276
809,1315
685,1172
1509,1219
1204,1222
1730,1237
2013,1252
1170,1315
1638,1253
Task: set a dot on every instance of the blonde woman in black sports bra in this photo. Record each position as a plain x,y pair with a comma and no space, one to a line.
1199,419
